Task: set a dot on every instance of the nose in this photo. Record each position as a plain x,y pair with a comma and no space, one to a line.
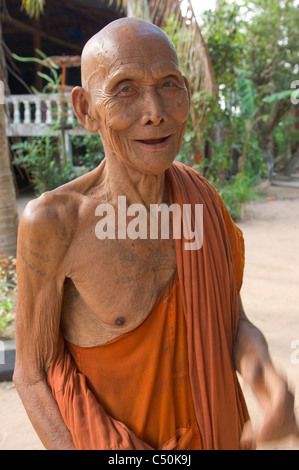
153,113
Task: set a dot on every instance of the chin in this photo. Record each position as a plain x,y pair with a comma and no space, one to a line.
155,162
147,162
155,165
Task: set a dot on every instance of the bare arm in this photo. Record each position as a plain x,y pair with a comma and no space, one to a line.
40,269
252,360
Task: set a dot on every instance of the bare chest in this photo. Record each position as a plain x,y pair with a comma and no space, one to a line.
112,285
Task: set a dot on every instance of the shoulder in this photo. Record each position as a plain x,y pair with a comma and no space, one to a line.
56,214
207,194
198,182
48,223
188,171
216,210
50,209
46,232
59,205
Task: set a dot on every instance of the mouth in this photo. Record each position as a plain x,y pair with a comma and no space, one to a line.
155,143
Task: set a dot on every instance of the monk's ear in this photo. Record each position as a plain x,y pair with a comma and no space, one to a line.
188,88
81,110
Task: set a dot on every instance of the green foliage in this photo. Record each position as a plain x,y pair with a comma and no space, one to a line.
247,94
88,151
52,78
239,189
8,286
6,317
43,157
223,31
281,95
253,47
40,156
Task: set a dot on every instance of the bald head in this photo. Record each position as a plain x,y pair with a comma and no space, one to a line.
133,94
120,40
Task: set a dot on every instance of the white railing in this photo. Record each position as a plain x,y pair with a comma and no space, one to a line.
33,115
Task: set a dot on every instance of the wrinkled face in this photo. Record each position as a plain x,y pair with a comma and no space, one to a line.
140,99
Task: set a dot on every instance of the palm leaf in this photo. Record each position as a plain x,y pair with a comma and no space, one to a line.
33,7
247,95
281,95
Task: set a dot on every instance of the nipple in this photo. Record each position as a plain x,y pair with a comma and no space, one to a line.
120,321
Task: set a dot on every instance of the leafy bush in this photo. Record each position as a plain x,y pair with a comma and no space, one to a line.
88,151
8,287
41,158
236,191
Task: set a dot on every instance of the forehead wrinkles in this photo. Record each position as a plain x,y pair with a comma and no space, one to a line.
100,73
108,52
134,67
148,72
89,78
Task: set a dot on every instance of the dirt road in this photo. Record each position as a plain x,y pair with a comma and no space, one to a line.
270,291
271,299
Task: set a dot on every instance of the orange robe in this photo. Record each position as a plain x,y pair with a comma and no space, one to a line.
149,388
170,383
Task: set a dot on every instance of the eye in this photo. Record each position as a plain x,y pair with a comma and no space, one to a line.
126,89
168,84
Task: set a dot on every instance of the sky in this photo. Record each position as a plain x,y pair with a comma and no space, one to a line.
201,5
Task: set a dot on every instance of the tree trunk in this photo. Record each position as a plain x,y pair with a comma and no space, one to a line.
138,8
8,202
269,159
266,130
292,165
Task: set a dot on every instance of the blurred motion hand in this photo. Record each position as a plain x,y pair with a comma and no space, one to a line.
276,402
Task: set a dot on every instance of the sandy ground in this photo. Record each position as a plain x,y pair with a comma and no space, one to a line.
271,299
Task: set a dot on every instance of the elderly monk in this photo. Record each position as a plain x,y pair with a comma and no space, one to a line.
132,342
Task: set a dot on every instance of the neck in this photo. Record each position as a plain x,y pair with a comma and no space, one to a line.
124,180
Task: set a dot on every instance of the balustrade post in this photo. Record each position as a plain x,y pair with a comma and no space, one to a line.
16,111
70,114
59,110
38,117
49,112
30,115
27,117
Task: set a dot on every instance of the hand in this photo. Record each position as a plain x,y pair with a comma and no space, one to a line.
277,404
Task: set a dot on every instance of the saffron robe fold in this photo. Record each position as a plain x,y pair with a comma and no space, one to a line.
209,279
